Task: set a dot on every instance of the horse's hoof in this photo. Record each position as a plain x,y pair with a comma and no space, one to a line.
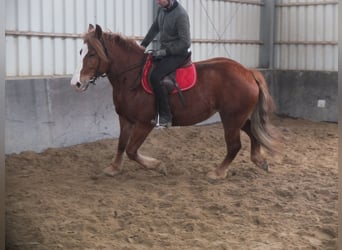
97,176
109,171
213,176
162,169
264,166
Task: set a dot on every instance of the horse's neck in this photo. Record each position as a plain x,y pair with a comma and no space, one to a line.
125,66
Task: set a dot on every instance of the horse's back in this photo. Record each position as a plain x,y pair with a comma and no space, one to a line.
217,60
222,70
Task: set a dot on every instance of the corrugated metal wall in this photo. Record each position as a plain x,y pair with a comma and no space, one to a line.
42,36
225,28
306,35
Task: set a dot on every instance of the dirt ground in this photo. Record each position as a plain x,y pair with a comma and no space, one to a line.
53,203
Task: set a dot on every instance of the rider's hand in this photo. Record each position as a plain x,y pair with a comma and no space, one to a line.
158,54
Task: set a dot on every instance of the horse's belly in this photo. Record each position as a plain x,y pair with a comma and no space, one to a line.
191,117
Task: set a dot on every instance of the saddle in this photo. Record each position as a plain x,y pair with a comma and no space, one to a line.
182,79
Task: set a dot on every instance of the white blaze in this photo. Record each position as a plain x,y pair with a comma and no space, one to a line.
76,78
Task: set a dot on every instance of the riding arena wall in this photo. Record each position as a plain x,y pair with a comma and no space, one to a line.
294,44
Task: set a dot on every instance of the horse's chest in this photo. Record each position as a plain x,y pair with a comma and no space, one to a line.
121,104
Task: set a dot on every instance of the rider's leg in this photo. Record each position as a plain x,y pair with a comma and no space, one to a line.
162,68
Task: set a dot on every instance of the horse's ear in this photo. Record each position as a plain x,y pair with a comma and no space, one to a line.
98,31
91,27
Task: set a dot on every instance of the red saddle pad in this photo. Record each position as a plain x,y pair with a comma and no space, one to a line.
185,76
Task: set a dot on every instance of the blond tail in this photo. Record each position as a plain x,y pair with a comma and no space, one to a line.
260,123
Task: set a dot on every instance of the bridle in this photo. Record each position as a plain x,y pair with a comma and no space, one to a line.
132,67
97,72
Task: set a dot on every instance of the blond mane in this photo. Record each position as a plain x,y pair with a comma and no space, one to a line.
111,39
91,40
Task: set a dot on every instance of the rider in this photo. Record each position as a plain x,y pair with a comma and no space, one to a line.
172,24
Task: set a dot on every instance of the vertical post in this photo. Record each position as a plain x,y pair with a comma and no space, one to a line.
267,34
2,123
339,242
155,11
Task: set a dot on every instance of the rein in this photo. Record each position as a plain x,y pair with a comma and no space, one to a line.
132,67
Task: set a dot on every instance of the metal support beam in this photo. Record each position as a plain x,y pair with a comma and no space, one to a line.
340,125
29,34
250,2
267,34
42,34
155,43
306,43
2,122
228,41
326,2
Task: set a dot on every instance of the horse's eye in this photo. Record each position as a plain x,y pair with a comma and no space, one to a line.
80,51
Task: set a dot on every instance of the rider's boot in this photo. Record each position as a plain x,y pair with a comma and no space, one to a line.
164,117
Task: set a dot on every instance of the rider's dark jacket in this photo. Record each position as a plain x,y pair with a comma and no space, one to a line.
173,27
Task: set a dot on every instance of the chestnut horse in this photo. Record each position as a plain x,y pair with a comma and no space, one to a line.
238,94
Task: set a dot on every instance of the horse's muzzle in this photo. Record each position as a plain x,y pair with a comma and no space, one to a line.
80,87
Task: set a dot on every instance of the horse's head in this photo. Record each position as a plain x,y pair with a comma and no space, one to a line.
93,59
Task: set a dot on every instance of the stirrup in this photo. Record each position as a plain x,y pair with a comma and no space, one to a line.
160,122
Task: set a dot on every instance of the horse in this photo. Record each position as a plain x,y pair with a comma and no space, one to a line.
238,94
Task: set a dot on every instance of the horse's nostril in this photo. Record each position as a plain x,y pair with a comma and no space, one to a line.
78,84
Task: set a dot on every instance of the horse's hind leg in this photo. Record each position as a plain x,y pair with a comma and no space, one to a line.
125,132
233,142
256,154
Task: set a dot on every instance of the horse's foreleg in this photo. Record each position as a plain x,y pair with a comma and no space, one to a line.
233,141
138,136
256,155
116,165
